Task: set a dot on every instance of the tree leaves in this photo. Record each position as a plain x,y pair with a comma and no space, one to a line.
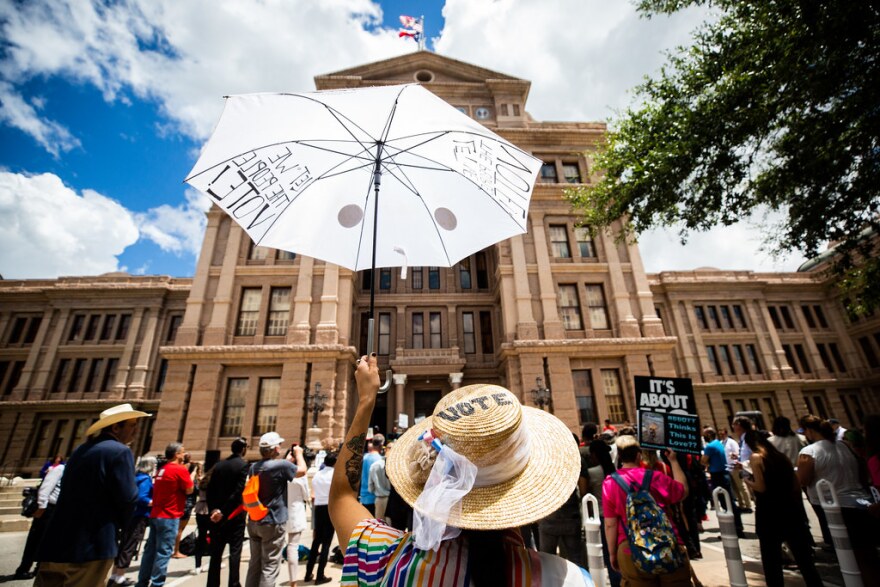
775,104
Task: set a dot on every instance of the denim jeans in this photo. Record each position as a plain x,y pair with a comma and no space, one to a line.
160,545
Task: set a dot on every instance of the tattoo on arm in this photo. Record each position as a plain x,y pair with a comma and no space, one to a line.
353,466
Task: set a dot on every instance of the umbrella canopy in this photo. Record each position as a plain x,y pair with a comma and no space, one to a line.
302,173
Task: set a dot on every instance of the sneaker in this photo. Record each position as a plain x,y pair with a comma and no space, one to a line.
195,571
309,577
322,580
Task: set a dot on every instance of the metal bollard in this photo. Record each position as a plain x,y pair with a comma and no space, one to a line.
852,577
593,530
736,572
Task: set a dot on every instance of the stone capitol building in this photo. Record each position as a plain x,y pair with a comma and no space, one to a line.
242,347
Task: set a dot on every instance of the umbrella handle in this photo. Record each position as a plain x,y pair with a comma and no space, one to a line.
370,333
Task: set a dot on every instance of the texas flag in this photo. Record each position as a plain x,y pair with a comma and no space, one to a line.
411,22
411,34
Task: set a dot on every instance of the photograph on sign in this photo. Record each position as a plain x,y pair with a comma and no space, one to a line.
667,414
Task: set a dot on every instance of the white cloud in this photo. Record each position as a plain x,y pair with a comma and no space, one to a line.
176,229
739,246
49,230
582,56
187,55
16,112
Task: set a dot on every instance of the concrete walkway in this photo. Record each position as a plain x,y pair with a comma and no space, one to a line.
711,570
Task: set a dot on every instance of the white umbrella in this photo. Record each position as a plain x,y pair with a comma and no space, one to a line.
302,173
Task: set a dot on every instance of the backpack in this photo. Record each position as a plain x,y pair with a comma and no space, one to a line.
250,498
651,538
29,503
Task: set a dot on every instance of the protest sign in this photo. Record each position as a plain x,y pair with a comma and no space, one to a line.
667,414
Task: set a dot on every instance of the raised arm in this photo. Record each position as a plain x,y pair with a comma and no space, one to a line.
345,510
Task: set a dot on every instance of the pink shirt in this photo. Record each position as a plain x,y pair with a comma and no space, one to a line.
664,489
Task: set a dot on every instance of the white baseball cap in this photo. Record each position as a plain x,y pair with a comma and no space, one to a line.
271,440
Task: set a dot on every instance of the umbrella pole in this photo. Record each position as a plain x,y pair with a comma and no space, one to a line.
371,332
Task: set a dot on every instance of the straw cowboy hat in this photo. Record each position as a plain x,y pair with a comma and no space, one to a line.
115,414
529,457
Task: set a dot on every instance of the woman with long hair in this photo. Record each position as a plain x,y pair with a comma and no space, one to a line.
825,458
778,517
478,468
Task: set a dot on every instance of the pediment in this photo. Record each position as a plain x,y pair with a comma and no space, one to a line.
420,66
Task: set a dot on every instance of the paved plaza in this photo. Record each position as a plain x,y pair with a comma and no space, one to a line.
711,570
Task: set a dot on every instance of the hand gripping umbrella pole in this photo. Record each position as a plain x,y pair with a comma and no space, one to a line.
371,340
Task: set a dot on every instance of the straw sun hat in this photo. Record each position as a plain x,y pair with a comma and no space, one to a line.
483,423
111,416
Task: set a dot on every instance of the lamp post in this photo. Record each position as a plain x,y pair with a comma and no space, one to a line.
541,395
315,404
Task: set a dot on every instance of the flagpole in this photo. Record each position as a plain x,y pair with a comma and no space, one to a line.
422,37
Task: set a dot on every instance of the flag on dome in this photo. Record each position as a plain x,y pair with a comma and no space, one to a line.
412,22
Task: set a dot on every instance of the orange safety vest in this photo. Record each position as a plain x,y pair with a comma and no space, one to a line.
251,500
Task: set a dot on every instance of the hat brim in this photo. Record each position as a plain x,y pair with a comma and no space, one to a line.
541,488
113,419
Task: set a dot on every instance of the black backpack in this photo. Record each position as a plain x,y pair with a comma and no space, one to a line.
29,502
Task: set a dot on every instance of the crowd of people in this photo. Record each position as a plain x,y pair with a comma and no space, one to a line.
483,479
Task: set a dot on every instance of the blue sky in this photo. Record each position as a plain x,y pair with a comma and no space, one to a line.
104,105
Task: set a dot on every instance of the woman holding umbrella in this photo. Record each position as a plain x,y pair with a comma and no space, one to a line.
481,466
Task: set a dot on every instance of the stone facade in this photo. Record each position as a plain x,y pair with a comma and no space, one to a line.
240,348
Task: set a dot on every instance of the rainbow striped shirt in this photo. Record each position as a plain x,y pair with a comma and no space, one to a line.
379,555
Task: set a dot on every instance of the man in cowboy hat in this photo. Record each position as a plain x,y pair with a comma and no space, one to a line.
99,493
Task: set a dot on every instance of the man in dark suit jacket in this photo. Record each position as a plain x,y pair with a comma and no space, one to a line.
100,491
224,498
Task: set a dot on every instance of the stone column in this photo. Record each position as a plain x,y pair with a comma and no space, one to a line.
216,331
651,325
526,327
455,380
399,380
552,324
188,333
328,331
628,326
125,362
139,379
299,330
39,370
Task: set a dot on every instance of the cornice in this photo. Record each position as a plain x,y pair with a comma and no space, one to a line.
250,353
615,346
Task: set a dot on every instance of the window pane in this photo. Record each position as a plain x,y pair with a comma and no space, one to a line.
384,333
820,316
286,256
109,379
433,278
107,329
267,405
79,369
385,279
571,172
94,372
60,374
124,325
790,358
701,317
32,329
725,358
559,241
250,311
774,317
486,340
482,271
163,373
17,330
752,355
470,343
416,278
79,320
584,241
464,272
598,311
233,408
786,317
808,316
713,360
740,359
258,253
613,395
740,316
713,315
418,330
92,328
279,311
173,324
838,360
548,173
725,317
14,376
436,334
823,354
583,395
802,357
569,307
868,350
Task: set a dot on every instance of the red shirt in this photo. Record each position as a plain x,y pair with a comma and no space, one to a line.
169,491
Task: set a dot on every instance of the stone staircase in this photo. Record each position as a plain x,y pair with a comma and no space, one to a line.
11,519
